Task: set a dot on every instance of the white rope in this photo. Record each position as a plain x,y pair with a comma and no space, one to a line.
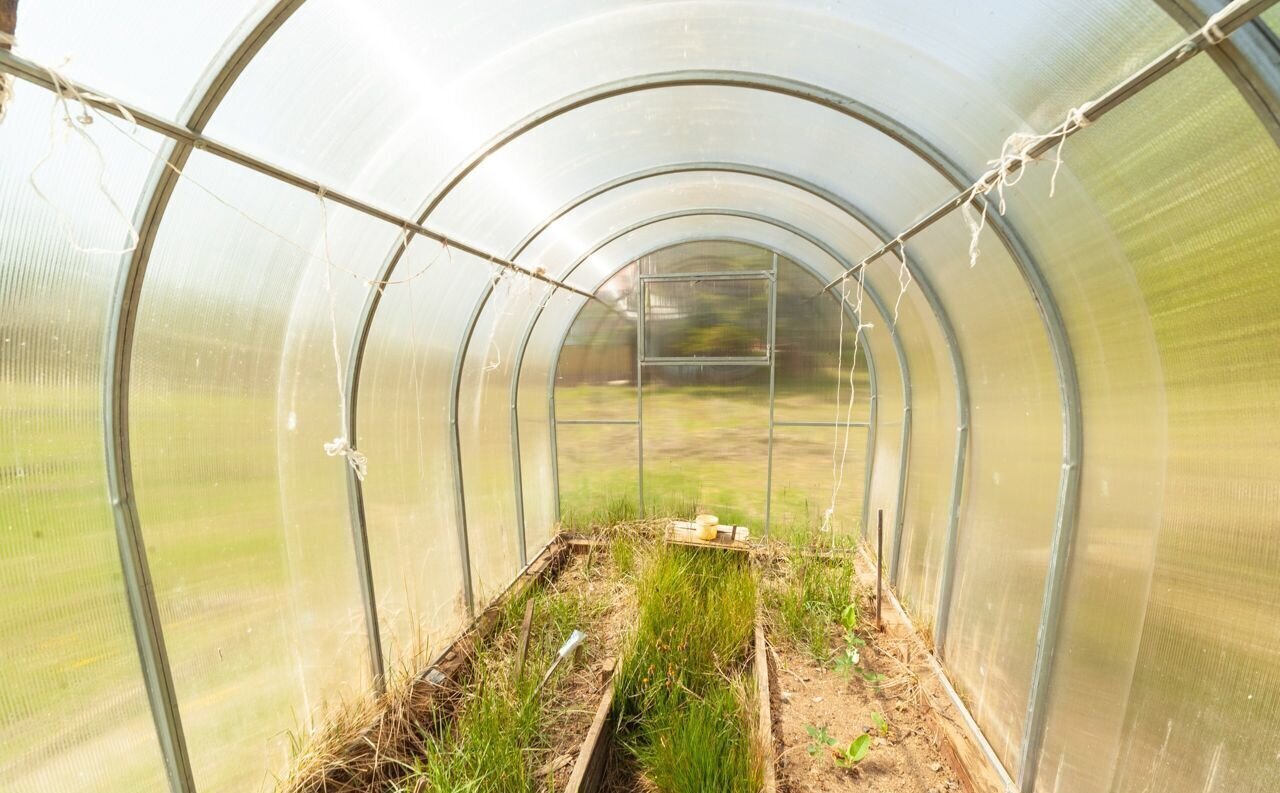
1007,170
65,96
838,471
340,446
6,80
1211,30
904,278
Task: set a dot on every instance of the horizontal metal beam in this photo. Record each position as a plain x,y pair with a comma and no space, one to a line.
821,424
746,275
706,361
627,422
1226,22
38,75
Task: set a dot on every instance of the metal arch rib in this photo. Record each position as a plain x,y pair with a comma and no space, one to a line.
930,294
1067,508
934,300
118,363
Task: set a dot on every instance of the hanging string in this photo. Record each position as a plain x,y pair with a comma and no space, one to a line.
7,42
340,446
1008,169
75,120
904,279
838,478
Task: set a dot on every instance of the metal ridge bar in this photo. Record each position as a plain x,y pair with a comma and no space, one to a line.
627,422
705,361
36,74
745,275
1231,19
781,423
144,611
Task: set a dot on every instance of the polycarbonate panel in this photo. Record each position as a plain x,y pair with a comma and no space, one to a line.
73,711
706,436
811,358
707,318
802,486
699,256
1205,693
932,454
536,464
598,472
596,377
703,192
155,54
403,426
333,61
1012,476
484,424
234,394
579,151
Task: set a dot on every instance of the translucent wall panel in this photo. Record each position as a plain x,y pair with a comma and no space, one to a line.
706,256
403,427
933,444
1203,702
579,151
1013,472
598,473
335,61
810,355
596,378
802,480
707,319
706,434
536,460
886,457
234,393
73,713
150,53
484,423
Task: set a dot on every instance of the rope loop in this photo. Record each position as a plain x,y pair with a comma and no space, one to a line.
341,447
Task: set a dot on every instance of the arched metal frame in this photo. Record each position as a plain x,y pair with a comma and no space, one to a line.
847,106
596,248
1067,509
882,308
960,378
156,194
1256,74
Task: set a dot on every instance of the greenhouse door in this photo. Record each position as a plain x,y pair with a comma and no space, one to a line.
706,377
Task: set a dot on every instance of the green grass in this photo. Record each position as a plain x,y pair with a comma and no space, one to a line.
806,598
682,698
498,741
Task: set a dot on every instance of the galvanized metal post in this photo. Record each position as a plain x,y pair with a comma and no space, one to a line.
641,309
773,368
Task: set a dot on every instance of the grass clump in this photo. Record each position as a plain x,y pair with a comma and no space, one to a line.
807,596
682,693
497,740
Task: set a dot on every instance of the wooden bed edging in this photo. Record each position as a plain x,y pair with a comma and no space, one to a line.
764,697
593,757
958,744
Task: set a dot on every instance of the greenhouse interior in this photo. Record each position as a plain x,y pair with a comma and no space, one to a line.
697,395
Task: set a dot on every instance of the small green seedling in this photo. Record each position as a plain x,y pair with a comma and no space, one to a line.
849,617
821,739
881,725
855,752
848,661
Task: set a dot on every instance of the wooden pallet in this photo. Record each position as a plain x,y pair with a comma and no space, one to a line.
684,532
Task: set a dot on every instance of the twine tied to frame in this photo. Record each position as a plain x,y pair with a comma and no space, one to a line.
341,447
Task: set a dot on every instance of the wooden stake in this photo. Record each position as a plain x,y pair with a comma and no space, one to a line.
522,646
